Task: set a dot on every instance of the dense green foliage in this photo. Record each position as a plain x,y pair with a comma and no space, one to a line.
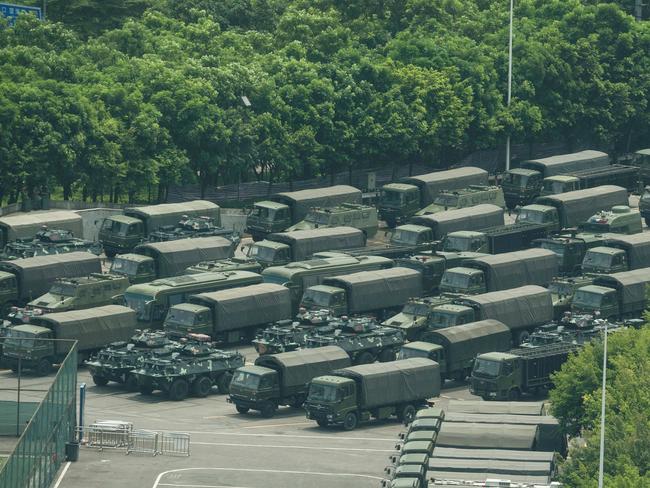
576,402
108,104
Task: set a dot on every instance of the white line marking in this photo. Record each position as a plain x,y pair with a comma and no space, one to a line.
201,486
230,444
319,437
60,479
277,425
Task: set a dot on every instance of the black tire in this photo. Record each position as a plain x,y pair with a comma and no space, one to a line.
513,395
43,368
268,410
350,421
131,383
647,221
460,376
110,253
179,390
223,383
297,403
100,380
522,337
386,356
201,387
364,358
407,414
322,423
242,410
14,369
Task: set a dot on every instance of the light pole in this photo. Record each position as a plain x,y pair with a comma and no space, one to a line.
601,464
512,2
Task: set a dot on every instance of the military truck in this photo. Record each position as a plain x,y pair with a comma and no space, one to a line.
522,185
562,291
46,242
285,247
358,393
116,361
619,295
414,318
192,227
23,226
465,197
401,200
470,218
235,263
119,234
455,348
614,174
621,219
152,301
571,249
382,292
283,210
509,375
282,379
92,328
22,280
164,259
361,217
231,315
494,240
500,272
618,253
194,368
644,205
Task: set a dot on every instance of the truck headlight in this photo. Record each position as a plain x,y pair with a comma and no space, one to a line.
493,393
330,417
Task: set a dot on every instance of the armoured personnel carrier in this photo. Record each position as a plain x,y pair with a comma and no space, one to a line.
48,241
289,335
192,226
235,263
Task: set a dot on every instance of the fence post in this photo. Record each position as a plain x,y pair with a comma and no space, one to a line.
20,373
82,404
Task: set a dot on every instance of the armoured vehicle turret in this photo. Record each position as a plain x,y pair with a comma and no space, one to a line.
192,226
193,368
415,316
621,219
234,263
46,242
289,335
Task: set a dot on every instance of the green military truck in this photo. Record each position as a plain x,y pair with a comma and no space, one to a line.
509,375
231,315
613,174
170,258
283,210
618,253
562,291
356,394
235,263
152,301
361,217
401,200
571,249
23,226
465,197
32,347
494,240
471,218
415,316
522,185
282,379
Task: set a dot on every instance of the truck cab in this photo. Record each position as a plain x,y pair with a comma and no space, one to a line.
450,315
540,214
463,281
465,241
562,292
136,267
24,342
270,253
397,202
411,235
347,214
187,318
323,297
431,267
120,234
521,186
331,398
427,350
255,387
496,376
465,197
559,184
620,219
8,292
593,298
570,250
267,217
604,260
415,316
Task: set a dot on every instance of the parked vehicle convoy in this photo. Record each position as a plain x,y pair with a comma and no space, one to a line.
401,200
25,226
356,394
235,263
152,301
286,247
46,242
571,249
618,295
522,185
465,197
22,280
618,253
361,217
120,234
380,292
282,379
455,348
154,260
471,218
193,369
283,210
500,272
613,174
509,375
231,315
188,227
494,240
92,328
621,219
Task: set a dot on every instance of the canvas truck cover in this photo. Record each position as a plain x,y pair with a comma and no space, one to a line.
637,247
35,275
502,467
495,454
26,225
92,327
155,216
631,286
304,243
382,288
575,207
173,257
518,308
431,184
245,306
495,408
487,436
511,269
394,382
565,163
299,367
469,218
302,201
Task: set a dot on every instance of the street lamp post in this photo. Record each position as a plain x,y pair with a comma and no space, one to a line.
601,465
509,80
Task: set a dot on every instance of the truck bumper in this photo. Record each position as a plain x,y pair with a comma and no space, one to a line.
479,388
323,416
244,402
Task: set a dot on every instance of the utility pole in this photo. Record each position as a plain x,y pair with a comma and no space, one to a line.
509,80
601,465
44,9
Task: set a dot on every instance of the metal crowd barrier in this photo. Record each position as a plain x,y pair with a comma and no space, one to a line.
143,442
174,443
106,435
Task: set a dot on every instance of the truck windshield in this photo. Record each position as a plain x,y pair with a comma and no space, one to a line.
323,393
262,213
316,297
597,260
514,179
529,215
65,289
402,236
417,309
486,368
457,244
447,200
555,247
553,187
588,299
261,253
440,319
319,217
115,227
392,197
181,317
455,280
19,338
139,303
246,379
124,266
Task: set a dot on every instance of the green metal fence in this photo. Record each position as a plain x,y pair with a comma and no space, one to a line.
41,449
15,416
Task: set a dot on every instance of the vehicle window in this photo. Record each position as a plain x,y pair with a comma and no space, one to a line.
266,382
507,368
146,267
133,230
107,225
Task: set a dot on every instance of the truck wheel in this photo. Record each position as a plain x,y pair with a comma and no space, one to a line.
647,221
146,390
242,410
390,223
322,423
460,376
201,387
43,368
522,337
513,395
386,356
297,403
223,383
407,414
179,390
109,253
131,382
364,358
100,380
351,421
268,410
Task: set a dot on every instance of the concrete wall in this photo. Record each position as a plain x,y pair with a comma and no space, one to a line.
233,218
92,220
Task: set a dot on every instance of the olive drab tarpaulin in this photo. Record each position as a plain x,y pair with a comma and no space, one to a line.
304,243
383,288
297,368
632,287
92,327
483,435
506,468
36,275
565,163
26,225
469,218
453,179
478,406
302,201
247,306
402,381
495,454
637,247
155,216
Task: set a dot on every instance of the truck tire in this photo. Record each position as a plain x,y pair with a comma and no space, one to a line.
522,337
268,410
386,356
406,414
223,383
298,401
647,221
513,395
201,387
322,423
242,410
110,253
350,421
460,375
43,368
391,223
364,358
131,382
179,390
100,380
145,390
